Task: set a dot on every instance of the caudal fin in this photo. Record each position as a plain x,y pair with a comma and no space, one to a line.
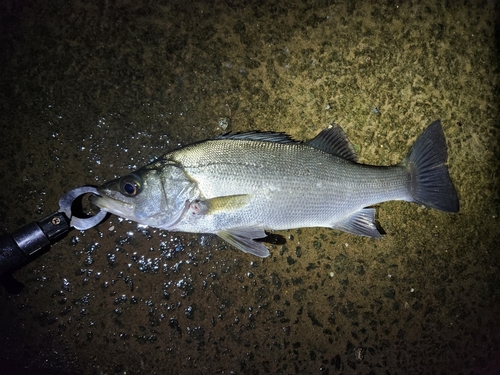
431,182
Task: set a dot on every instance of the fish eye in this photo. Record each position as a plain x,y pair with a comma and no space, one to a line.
130,185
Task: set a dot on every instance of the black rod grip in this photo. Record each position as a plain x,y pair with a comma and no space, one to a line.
23,244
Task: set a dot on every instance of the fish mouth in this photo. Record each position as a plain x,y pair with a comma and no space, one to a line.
112,205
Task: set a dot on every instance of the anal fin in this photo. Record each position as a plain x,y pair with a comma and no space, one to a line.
361,223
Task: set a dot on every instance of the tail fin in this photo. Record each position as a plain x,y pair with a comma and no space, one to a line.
431,182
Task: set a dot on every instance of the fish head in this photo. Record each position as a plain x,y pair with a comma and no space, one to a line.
157,195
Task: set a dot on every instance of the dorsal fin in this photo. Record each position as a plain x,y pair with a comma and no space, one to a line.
333,140
259,136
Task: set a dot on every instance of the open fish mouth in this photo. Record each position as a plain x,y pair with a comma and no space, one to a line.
112,205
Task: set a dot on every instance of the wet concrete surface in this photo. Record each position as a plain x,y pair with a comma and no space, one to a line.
92,90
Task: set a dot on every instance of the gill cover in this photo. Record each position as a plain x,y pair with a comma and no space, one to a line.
157,195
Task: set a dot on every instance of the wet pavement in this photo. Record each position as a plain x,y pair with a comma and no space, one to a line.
92,90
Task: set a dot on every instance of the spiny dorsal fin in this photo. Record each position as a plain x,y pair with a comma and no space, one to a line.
333,140
259,136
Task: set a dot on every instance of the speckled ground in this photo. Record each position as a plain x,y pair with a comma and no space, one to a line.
91,90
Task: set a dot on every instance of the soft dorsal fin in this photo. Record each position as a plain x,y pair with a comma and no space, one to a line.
333,140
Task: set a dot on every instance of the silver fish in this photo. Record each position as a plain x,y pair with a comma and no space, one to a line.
239,185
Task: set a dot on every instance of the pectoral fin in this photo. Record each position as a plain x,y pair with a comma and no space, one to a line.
361,223
215,205
227,203
243,239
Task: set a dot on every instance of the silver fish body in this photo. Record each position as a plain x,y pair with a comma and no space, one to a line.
240,185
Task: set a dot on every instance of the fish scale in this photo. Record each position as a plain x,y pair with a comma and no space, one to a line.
334,188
